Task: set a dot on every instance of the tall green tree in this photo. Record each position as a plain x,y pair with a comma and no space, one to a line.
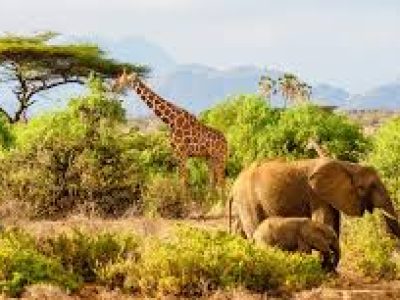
32,64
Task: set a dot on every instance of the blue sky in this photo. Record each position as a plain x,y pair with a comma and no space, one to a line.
354,44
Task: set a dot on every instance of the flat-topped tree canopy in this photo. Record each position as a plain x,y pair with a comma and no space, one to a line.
32,63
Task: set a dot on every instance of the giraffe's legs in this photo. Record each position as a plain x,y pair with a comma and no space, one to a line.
219,171
183,172
212,173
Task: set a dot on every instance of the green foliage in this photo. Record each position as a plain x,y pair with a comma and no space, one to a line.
244,119
191,262
73,157
342,138
256,131
85,254
165,196
197,262
385,155
21,264
152,150
367,249
6,137
39,56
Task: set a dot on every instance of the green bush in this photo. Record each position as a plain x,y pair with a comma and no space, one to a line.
73,157
342,138
367,249
85,254
21,264
151,151
197,262
244,119
165,197
385,155
6,137
192,262
256,131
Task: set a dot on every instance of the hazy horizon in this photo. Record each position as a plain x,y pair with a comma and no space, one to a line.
354,45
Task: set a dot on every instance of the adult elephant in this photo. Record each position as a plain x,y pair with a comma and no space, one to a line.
315,188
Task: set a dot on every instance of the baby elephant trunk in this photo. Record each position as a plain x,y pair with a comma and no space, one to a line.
335,251
324,239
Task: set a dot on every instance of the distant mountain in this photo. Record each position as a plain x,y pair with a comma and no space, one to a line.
197,87
129,49
330,95
383,97
139,50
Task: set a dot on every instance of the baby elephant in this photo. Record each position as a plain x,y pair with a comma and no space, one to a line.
300,234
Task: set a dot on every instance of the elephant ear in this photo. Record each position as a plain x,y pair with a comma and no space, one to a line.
333,184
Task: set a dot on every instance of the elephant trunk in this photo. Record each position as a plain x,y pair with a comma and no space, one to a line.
381,199
392,224
335,248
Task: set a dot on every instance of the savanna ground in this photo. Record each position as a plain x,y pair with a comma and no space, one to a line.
93,208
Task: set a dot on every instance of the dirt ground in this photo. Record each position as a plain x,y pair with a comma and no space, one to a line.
343,286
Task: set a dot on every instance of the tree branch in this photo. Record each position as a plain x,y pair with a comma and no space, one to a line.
46,86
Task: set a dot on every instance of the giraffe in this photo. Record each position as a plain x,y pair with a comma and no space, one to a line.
189,137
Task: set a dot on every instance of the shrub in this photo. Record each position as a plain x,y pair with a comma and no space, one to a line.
6,137
367,249
85,254
192,262
72,157
197,262
151,151
21,264
256,131
342,138
385,155
244,119
166,197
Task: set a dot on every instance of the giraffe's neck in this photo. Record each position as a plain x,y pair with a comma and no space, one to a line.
162,108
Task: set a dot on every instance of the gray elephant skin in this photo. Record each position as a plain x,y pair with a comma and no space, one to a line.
319,189
300,234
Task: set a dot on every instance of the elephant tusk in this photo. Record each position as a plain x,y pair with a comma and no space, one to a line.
389,215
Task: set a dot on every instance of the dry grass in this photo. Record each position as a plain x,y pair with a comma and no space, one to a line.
371,120
143,226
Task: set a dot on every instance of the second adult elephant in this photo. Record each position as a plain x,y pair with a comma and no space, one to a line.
315,188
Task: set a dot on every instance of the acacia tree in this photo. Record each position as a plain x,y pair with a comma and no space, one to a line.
32,64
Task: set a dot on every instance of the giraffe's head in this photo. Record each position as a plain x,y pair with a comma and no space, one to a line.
123,81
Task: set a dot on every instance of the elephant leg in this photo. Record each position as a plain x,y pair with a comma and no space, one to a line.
316,241
326,214
303,246
251,216
238,228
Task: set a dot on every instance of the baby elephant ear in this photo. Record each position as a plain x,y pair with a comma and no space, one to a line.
333,184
